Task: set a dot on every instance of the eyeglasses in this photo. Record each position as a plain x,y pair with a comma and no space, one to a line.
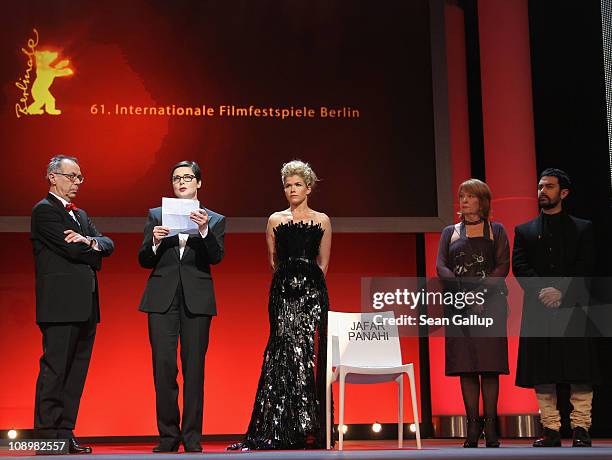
185,178
72,177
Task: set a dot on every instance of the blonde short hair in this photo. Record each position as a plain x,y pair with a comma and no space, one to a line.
299,168
481,191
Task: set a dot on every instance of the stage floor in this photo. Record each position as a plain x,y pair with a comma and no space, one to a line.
438,449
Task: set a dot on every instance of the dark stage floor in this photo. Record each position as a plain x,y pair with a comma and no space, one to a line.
366,450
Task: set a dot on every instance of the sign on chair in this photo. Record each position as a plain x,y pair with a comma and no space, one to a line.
365,339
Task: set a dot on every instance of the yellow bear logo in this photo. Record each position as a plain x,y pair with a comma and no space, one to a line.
45,74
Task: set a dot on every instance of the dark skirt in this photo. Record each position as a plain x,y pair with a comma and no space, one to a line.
475,349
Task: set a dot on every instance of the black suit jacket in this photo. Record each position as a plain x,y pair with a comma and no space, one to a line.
192,270
65,272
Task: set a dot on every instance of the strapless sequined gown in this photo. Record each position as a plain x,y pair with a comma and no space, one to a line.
289,409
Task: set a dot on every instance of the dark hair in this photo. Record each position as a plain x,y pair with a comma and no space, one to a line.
189,164
562,177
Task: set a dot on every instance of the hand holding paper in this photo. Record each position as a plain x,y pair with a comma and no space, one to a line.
200,217
176,215
159,233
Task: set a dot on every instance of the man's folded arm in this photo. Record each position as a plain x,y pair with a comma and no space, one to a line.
50,226
104,244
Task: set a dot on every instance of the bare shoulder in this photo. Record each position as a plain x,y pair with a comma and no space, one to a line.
276,218
323,219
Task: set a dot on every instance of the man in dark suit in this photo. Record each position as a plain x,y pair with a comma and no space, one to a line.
180,302
68,251
552,259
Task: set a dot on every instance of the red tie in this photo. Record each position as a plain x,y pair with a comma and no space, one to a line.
71,207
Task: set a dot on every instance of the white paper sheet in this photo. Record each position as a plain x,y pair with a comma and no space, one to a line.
175,214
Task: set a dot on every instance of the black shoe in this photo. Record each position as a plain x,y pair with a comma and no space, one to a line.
581,438
490,432
550,438
474,430
75,448
238,446
167,447
192,447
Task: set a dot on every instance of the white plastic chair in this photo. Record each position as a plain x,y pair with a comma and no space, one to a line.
357,359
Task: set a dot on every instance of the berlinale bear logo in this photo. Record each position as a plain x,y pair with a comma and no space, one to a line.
46,71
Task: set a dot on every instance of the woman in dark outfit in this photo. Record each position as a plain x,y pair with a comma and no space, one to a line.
289,408
474,256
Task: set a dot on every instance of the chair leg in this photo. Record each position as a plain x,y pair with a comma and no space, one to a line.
341,418
400,415
415,410
328,420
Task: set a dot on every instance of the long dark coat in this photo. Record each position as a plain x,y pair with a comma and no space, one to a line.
553,347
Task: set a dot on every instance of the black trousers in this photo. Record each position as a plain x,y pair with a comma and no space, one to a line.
64,363
165,330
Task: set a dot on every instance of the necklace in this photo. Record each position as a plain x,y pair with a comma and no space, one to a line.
476,222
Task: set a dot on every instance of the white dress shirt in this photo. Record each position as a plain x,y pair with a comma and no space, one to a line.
183,237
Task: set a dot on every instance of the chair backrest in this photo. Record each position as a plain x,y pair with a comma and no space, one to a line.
363,339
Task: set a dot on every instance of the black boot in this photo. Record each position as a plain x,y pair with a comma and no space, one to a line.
581,438
474,430
490,432
550,438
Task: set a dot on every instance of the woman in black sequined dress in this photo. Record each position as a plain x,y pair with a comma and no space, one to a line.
289,409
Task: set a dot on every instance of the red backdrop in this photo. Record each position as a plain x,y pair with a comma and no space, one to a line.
118,398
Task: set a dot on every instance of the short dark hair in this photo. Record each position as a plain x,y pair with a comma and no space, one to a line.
189,164
562,177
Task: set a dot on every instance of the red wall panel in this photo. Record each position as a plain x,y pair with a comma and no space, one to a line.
118,398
